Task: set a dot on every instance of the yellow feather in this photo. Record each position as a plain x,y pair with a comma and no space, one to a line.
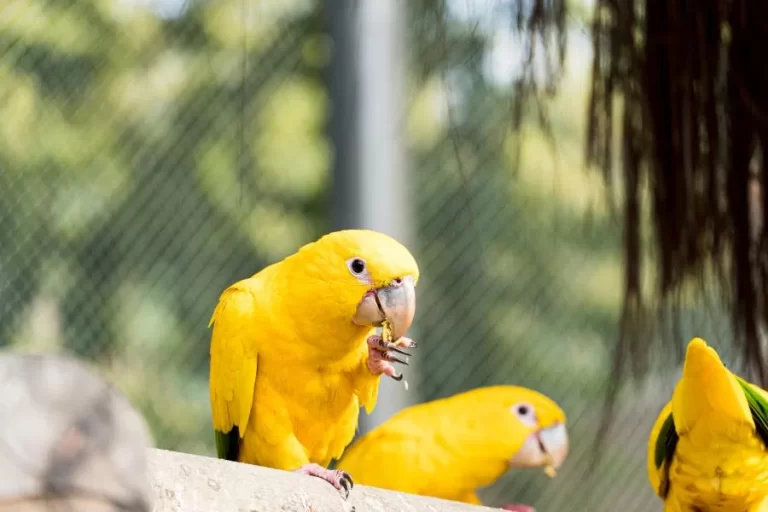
448,448
720,463
233,359
288,365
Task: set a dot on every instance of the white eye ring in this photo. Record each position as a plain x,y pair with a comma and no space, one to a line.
525,412
357,267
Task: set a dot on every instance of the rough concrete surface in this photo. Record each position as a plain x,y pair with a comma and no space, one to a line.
191,483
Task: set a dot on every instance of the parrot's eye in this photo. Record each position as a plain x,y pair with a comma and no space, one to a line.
356,266
525,413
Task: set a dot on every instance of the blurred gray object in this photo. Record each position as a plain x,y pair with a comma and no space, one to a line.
68,439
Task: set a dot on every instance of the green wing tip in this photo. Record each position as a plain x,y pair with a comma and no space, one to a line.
227,444
666,442
758,407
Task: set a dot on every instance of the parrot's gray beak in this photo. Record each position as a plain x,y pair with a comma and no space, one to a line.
547,447
395,303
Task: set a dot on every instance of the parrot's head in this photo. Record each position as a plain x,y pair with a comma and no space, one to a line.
519,425
708,393
356,278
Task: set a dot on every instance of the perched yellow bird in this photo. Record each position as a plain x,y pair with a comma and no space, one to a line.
294,354
451,447
707,449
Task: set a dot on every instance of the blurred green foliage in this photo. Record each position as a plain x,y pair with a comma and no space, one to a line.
141,173
129,200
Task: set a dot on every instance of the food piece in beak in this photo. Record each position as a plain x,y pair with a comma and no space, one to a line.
392,308
395,303
386,331
549,469
546,448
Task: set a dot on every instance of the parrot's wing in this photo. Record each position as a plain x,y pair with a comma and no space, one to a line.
758,406
234,360
663,450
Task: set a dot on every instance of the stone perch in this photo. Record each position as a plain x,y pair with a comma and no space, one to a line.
70,441
190,483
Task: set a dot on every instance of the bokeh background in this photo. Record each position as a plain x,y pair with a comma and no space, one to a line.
154,151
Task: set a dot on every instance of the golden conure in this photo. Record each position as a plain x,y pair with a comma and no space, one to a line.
707,449
294,353
451,447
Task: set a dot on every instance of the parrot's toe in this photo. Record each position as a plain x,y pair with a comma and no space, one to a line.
382,353
406,343
518,508
337,478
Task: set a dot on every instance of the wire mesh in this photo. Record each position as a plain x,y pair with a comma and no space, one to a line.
152,153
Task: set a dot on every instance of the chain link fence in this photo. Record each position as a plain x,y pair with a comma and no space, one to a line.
145,165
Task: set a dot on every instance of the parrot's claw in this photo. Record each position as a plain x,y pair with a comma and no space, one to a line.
395,359
336,477
346,484
394,348
381,353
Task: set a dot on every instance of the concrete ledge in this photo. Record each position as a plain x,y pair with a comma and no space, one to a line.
191,483
70,441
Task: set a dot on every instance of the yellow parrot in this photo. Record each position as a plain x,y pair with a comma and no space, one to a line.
294,352
451,447
707,448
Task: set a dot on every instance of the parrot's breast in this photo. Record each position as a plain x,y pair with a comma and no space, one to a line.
321,406
720,474
326,425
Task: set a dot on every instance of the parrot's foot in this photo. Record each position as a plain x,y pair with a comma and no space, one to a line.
337,478
518,508
382,353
